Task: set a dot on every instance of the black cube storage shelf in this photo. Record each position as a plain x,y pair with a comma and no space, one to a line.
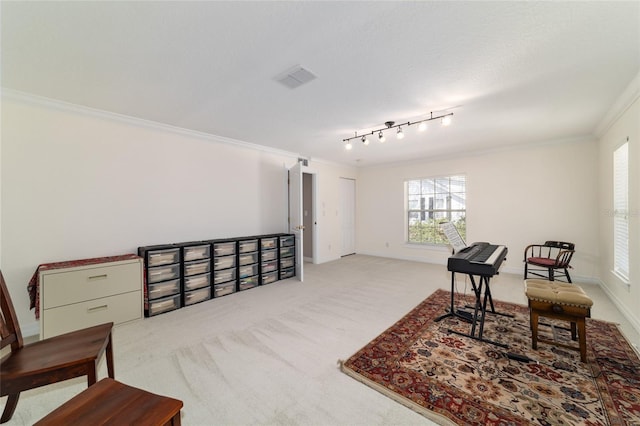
182,274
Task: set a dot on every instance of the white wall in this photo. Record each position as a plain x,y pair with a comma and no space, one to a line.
626,125
79,184
514,197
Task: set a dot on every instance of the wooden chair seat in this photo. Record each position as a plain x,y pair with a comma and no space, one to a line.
47,361
566,302
110,402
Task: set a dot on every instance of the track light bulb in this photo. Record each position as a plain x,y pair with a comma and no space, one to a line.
400,134
446,120
365,140
348,146
422,126
381,137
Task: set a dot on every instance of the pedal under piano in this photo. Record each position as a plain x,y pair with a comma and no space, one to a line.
480,260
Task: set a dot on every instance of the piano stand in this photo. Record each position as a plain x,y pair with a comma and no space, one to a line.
452,312
479,310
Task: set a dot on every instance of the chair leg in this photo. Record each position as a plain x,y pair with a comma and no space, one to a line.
525,270
10,407
109,356
566,271
551,277
92,373
573,331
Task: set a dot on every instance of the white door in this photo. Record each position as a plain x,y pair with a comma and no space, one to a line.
348,203
295,215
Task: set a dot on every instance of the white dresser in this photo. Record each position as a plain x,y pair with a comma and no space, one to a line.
75,297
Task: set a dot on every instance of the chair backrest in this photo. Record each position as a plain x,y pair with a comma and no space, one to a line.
9,327
563,259
560,245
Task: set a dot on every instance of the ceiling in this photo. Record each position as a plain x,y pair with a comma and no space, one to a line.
511,72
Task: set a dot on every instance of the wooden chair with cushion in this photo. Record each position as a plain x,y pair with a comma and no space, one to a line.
47,361
549,260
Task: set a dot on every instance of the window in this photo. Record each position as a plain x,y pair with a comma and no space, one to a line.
431,202
621,211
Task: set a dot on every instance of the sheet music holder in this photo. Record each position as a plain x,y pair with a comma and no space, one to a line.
454,237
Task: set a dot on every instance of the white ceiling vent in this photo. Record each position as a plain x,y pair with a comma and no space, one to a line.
295,77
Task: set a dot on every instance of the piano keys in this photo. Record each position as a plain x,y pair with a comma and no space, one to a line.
481,259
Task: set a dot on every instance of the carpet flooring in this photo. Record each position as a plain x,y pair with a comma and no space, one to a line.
452,378
268,356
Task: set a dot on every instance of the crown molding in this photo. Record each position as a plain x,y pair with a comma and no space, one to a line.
630,94
19,96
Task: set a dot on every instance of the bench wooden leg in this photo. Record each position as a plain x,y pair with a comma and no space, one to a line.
582,342
534,329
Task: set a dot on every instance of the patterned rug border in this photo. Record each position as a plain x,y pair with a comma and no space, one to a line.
431,415
416,327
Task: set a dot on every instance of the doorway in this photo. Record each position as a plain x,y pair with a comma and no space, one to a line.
308,216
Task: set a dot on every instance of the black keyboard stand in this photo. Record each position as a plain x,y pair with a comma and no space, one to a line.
452,312
479,309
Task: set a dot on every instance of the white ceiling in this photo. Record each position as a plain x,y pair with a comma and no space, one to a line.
511,72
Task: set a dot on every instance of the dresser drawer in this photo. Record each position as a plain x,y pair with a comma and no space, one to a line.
247,246
196,296
270,266
224,262
269,243
196,252
269,255
197,268
116,309
68,287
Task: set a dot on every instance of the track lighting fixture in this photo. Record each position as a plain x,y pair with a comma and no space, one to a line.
422,125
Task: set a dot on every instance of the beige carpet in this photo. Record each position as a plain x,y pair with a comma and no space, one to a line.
268,356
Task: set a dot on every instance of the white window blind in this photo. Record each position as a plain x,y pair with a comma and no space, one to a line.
621,211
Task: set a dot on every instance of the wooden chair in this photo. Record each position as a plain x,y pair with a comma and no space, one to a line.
110,402
47,361
549,260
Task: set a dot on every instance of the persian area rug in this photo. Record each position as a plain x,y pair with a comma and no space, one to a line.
454,379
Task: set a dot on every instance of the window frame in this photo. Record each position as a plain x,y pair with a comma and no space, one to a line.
620,212
434,236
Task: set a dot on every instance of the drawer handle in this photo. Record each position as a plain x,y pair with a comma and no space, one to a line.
97,277
97,308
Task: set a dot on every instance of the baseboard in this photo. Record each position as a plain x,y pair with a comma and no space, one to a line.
633,319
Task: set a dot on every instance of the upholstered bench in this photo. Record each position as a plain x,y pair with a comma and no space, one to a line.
110,402
561,301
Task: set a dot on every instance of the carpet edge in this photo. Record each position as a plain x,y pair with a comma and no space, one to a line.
431,415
